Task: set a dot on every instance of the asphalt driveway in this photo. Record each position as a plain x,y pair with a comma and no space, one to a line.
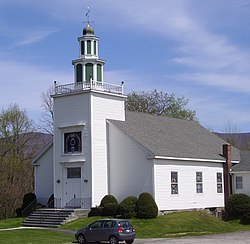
229,238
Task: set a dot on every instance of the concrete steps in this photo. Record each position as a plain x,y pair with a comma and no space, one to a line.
51,218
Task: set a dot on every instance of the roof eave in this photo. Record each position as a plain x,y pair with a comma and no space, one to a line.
34,161
187,159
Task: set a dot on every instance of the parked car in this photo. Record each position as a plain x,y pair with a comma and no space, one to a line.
112,230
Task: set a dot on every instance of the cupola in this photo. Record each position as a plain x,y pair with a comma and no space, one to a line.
88,67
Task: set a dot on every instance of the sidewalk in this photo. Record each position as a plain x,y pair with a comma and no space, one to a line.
40,228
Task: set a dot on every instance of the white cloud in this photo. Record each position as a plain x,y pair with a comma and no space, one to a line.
235,82
199,47
33,37
18,79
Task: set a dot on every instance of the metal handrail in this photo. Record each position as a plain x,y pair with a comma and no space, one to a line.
78,203
44,203
35,200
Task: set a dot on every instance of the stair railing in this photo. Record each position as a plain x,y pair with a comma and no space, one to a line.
78,203
54,203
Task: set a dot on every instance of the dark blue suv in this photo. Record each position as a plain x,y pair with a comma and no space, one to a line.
112,230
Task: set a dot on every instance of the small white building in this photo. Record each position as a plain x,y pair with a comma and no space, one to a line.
241,174
100,149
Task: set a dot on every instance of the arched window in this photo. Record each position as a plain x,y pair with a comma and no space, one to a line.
88,47
82,47
89,72
78,73
99,72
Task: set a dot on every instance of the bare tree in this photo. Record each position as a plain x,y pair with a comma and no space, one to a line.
47,116
235,138
232,134
159,103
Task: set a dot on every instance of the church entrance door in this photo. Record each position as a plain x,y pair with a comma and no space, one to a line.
72,192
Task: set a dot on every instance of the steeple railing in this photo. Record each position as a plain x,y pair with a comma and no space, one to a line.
88,85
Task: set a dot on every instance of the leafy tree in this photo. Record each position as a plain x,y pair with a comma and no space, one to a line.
16,151
152,102
159,103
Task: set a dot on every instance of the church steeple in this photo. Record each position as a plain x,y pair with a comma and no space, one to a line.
88,67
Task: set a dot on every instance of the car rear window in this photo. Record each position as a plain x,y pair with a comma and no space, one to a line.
124,224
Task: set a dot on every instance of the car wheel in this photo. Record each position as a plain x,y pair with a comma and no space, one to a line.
129,241
113,240
81,239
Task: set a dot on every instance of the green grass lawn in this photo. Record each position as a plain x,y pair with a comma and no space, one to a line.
27,236
173,225
177,224
10,223
30,236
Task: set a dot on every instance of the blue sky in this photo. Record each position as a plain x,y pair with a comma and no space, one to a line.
198,49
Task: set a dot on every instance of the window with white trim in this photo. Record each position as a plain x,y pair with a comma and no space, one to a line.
219,182
238,182
199,182
174,182
74,172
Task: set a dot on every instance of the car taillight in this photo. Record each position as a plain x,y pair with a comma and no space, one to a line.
120,229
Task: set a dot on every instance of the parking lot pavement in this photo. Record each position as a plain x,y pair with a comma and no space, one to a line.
229,238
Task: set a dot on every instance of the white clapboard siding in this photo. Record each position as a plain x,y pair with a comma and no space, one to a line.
72,113
245,182
130,172
103,107
187,198
44,170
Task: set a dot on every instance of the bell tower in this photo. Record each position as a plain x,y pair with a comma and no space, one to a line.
88,67
81,110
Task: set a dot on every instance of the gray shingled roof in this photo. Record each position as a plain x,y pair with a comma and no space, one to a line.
244,164
170,137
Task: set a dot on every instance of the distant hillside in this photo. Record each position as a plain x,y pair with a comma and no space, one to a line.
38,141
35,142
239,140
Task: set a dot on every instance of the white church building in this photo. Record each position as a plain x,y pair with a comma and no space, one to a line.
99,148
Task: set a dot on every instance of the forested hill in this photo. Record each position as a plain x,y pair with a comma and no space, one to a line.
239,140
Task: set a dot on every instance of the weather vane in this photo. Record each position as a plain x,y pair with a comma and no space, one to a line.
87,16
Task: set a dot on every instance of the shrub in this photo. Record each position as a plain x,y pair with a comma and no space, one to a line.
28,199
96,211
146,207
127,207
237,205
108,199
29,205
19,212
110,209
245,219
